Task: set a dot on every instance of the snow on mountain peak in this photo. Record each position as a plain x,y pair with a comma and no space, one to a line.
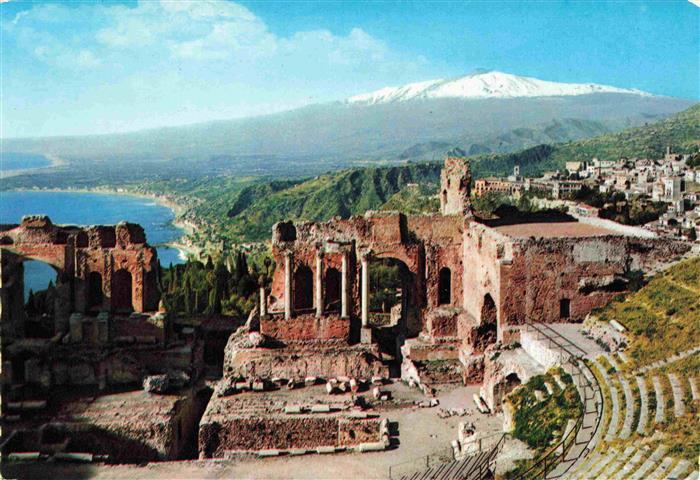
484,85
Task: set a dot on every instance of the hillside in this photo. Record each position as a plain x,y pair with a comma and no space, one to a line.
245,209
662,322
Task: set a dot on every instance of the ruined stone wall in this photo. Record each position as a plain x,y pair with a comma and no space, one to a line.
552,279
104,251
284,432
306,327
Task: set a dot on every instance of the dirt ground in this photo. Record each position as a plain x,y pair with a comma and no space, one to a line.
421,433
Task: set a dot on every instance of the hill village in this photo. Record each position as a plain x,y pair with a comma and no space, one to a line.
672,181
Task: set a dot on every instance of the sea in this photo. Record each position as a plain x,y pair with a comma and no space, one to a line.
79,208
18,161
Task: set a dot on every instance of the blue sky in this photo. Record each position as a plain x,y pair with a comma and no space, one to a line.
87,67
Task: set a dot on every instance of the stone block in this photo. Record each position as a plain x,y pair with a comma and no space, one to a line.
156,383
75,323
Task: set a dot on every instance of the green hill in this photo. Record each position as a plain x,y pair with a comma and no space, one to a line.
245,209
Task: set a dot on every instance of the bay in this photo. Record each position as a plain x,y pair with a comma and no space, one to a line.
85,208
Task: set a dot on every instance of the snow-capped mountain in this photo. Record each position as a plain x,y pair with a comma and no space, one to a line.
484,85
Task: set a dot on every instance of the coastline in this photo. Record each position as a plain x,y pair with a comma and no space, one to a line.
181,244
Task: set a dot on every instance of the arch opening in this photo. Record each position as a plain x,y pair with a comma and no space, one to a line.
41,293
94,287
503,388
303,288
332,290
122,291
487,333
445,286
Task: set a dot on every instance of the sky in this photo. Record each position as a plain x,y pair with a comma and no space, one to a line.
79,67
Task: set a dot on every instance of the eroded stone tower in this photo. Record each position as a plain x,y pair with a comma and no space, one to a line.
455,184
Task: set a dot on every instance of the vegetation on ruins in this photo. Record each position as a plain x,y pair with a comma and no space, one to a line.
541,423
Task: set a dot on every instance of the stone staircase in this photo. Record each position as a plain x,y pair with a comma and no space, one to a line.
635,408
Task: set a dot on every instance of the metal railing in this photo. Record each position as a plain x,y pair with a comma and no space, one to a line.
557,454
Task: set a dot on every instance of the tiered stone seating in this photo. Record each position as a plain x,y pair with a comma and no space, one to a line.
611,432
680,469
649,463
617,462
677,390
631,464
629,407
660,415
644,405
694,388
661,470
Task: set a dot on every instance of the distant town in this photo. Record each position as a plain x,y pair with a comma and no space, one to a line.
669,185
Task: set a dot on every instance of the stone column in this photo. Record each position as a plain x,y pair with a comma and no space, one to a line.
263,302
288,285
365,289
319,283
344,294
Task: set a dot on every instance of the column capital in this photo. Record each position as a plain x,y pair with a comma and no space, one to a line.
320,253
288,254
366,254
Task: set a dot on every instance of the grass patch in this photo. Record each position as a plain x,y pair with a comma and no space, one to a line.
541,424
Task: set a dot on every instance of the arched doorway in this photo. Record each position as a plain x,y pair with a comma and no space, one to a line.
42,291
332,290
445,286
487,332
95,296
504,387
303,288
121,291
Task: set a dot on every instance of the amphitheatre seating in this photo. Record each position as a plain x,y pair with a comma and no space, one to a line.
694,388
657,455
660,400
677,390
617,462
644,405
615,412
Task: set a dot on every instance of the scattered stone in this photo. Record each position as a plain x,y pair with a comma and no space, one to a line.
617,326
156,383
297,451
372,447
539,395
309,381
559,381
376,393
73,457
327,449
320,408
548,386
377,380
291,384
258,385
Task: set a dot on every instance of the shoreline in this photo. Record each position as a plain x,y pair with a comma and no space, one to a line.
186,249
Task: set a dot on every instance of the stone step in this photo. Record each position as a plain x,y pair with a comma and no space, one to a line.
694,388
649,463
644,405
660,472
631,464
560,382
677,390
660,414
693,476
583,468
598,465
615,407
623,356
680,469
612,361
629,408
615,464
671,359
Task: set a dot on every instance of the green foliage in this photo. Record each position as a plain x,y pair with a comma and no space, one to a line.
414,199
194,288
